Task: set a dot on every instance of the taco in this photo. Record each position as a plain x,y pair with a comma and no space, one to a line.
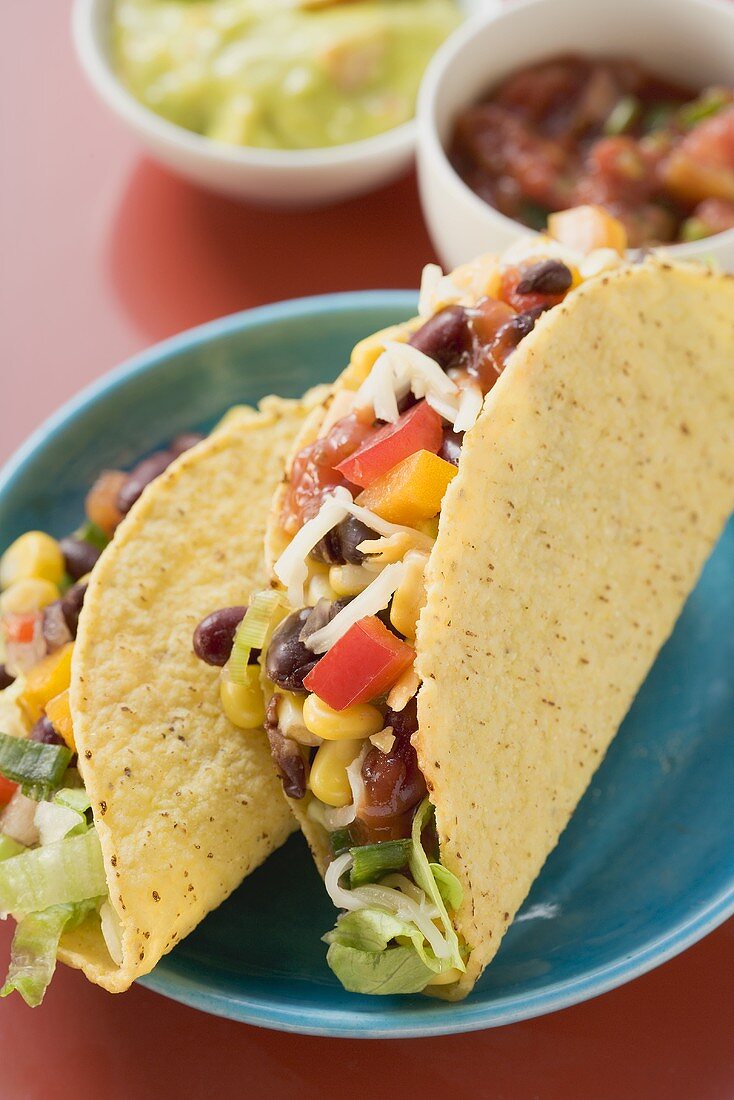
485,536
131,805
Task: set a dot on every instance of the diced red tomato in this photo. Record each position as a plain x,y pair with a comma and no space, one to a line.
20,628
418,429
363,664
7,790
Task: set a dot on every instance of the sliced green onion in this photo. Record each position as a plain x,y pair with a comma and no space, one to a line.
341,840
9,847
251,633
68,871
623,114
707,104
38,768
91,533
657,117
372,861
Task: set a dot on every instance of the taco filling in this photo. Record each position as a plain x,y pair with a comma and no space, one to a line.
52,875
336,636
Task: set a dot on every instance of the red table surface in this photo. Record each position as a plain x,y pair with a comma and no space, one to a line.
102,254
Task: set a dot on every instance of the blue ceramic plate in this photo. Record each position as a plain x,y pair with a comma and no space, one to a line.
646,866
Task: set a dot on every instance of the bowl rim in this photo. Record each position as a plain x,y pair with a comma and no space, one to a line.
430,1019
95,63
156,355
448,58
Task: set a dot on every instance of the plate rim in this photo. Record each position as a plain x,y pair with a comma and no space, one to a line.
448,1019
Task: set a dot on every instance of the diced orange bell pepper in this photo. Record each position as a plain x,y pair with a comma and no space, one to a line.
58,713
586,228
410,492
45,681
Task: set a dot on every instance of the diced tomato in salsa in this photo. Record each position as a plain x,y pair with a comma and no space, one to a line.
363,664
313,474
419,429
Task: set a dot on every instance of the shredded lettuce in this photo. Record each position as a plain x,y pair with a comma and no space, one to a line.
359,955
35,946
388,941
9,847
65,872
65,816
38,768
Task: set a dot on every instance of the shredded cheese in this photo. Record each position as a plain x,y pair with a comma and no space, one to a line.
291,568
375,598
470,406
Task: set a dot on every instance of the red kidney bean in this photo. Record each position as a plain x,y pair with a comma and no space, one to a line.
546,277
511,333
445,337
393,782
80,556
214,636
140,477
5,678
289,660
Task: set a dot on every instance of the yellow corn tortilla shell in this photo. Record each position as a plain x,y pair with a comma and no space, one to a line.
589,495
185,804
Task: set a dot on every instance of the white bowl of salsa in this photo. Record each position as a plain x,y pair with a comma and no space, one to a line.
688,43
229,153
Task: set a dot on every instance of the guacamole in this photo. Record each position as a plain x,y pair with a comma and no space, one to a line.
279,74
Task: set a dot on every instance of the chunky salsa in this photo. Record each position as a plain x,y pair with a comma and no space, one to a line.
573,130
332,644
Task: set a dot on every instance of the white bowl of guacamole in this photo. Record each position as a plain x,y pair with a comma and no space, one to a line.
281,101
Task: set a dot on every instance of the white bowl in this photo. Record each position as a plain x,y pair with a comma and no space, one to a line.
277,177
692,40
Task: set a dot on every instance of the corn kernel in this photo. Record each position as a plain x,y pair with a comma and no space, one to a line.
45,681
349,580
29,594
328,779
358,721
34,554
319,588
410,596
58,713
243,704
290,720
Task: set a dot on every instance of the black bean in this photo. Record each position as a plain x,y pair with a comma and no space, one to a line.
80,556
44,732
214,636
446,337
56,632
184,442
546,277
339,546
71,605
289,660
286,754
141,476
323,612
451,446
5,678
